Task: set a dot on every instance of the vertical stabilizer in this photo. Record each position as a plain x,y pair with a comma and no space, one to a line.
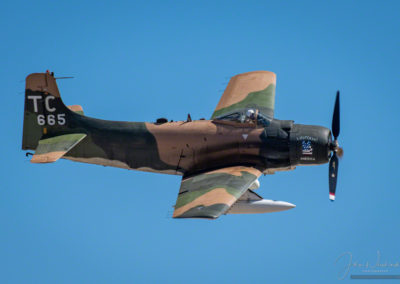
44,112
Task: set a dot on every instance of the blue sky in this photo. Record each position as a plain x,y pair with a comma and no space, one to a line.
76,223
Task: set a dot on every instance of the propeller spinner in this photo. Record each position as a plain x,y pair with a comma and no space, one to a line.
337,151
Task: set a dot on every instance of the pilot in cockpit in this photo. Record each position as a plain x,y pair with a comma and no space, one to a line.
250,116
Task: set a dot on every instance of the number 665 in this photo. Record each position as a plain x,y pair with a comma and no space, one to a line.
51,119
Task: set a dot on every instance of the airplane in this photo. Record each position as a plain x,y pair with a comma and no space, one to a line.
220,159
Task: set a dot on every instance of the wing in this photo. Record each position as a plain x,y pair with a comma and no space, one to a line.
51,149
248,90
210,194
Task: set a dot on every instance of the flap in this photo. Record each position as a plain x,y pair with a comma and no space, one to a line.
51,149
210,194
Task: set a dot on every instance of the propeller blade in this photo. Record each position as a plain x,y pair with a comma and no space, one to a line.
333,172
336,117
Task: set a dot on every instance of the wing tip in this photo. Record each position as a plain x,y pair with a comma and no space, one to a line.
47,157
256,72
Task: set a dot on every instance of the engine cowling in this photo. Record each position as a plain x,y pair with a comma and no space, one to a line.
309,145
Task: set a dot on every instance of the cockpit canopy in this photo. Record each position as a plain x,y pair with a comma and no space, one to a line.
247,116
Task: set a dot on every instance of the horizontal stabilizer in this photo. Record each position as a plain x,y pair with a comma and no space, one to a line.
76,108
51,149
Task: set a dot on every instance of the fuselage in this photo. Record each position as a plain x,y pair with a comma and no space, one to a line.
193,146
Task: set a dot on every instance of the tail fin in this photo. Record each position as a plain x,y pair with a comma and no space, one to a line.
45,114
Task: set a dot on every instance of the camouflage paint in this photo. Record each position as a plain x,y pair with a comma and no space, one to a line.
218,159
210,194
77,109
252,100
248,90
175,148
51,149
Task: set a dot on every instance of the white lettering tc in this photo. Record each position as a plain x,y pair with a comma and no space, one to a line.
35,103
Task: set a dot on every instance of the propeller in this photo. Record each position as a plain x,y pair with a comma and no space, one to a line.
337,151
